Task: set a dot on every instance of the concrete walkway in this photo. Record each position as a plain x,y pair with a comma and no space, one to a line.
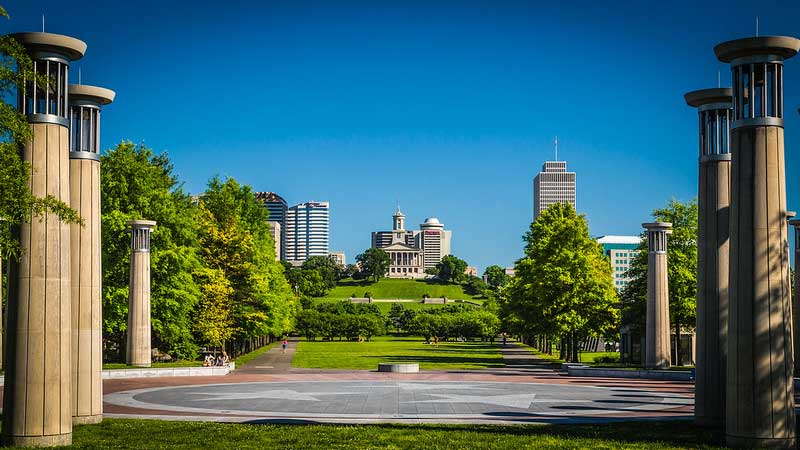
519,359
273,361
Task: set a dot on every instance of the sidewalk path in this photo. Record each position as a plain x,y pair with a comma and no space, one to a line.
273,361
519,359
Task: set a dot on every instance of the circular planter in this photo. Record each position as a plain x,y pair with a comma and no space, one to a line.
398,368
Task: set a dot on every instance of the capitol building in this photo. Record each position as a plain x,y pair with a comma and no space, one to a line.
413,251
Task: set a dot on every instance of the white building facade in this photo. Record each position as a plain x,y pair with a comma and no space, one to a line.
620,251
307,231
553,185
412,252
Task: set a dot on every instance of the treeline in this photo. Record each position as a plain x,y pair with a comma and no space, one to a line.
356,321
214,278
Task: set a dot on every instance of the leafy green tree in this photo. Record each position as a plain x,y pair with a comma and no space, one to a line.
135,183
17,202
328,271
374,263
475,286
239,243
451,269
213,322
495,277
681,270
563,285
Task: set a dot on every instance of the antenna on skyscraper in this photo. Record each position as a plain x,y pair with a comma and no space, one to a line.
556,145
719,79
756,26
42,23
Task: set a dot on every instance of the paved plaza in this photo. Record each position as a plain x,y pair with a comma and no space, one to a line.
460,400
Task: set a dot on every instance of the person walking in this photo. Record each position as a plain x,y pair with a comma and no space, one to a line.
284,344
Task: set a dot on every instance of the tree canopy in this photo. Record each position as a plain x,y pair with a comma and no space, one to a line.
450,269
563,285
496,277
374,263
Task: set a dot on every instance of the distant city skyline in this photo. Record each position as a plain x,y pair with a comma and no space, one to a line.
450,107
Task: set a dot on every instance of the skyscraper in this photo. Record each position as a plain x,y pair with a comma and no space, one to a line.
553,185
277,208
307,231
434,240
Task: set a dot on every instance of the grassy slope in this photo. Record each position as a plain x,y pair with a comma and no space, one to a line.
367,355
152,434
397,288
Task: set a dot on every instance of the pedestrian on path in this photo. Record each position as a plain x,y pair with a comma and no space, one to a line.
283,344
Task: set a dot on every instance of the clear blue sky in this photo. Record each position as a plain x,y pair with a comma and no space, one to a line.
449,108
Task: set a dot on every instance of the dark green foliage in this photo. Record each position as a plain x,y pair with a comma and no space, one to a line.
455,323
681,269
495,277
137,184
374,263
451,269
475,286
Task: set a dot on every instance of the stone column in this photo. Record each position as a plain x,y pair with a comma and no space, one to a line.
795,224
759,385
138,350
714,111
37,394
87,314
657,345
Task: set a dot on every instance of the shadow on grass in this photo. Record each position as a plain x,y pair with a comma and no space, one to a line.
673,432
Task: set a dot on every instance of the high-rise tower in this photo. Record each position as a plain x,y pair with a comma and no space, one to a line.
87,314
307,231
759,384
37,395
553,185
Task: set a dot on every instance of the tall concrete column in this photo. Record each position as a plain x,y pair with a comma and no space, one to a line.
795,224
138,350
713,250
657,345
759,384
38,392
87,313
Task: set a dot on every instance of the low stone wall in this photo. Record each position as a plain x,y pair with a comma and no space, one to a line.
601,372
435,301
169,372
360,299
398,368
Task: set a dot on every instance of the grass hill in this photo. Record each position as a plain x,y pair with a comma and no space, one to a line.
390,288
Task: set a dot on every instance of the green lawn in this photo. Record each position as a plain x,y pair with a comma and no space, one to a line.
397,288
367,355
152,434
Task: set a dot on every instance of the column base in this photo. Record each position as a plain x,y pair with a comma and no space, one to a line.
51,440
753,442
709,422
87,420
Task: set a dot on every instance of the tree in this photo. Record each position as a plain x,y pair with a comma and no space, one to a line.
450,269
681,270
236,240
17,202
563,285
475,286
326,267
495,277
213,320
374,263
135,183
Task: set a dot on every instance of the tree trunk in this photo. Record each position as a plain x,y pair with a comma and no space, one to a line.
562,353
678,360
575,348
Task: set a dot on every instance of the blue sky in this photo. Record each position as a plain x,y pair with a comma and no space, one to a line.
449,108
